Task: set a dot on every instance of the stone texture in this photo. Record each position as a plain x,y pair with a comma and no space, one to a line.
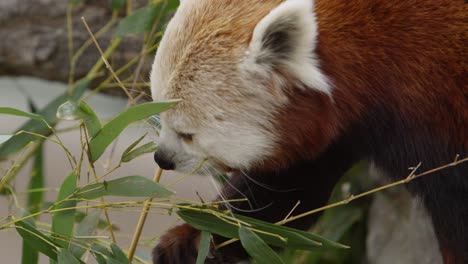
34,37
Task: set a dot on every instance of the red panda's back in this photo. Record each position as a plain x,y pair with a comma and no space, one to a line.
408,55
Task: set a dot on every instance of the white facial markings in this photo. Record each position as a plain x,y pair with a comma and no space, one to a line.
234,144
229,114
228,109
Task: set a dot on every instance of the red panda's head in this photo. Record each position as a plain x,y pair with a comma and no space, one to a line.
236,65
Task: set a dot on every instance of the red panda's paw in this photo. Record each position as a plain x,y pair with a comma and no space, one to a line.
180,246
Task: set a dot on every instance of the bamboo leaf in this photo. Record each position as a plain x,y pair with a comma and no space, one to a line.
131,186
204,247
111,130
29,255
119,255
114,261
100,253
171,6
139,21
149,147
117,4
37,240
66,257
37,181
257,248
62,221
99,259
48,113
74,2
280,236
133,145
85,228
102,223
5,138
16,112
93,125
104,256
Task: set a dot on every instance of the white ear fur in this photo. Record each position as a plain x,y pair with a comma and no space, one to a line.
287,37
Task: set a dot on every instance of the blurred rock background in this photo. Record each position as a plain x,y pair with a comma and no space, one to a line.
35,38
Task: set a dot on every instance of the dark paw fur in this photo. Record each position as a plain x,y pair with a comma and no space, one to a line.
180,246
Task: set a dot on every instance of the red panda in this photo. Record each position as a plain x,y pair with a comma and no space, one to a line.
291,94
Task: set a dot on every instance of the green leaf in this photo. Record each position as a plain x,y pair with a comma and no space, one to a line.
29,255
204,247
104,256
102,224
48,113
16,112
93,125
31,105
119,255
149,147
335,223
133,145
338,222
34,201
37,240
99,252
284,236
62,221
171,5
65,257
257,248
117,4
5,138
114,261
131,186
85,228
139,21
37,181
74,2
112,130
99,259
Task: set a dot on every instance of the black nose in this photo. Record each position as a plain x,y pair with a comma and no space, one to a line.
163,162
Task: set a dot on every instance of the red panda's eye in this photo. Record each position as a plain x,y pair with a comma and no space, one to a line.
188,138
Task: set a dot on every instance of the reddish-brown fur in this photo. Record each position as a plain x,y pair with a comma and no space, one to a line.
409,56
397,67
406,56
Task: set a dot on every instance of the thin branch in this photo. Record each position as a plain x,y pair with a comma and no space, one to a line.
104,59
142,220
408,179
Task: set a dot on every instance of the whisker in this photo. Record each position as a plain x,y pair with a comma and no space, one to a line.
249,210
229,205
266,186
236,189
205,173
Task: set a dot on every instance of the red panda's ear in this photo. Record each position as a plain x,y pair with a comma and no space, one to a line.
286,38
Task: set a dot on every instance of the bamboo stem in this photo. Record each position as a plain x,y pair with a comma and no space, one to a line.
142,220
